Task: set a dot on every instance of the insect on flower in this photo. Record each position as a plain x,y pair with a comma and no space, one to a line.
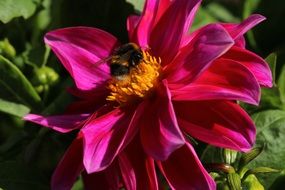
190,82
125,58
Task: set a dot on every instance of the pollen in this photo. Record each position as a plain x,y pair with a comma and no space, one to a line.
138,83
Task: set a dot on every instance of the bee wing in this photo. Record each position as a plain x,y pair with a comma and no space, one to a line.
105,60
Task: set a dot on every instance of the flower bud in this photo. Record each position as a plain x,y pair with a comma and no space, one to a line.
223,186
229,156
220,167
234,181
248,157
7,49
45,76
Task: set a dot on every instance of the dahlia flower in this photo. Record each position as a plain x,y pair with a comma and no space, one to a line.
185,85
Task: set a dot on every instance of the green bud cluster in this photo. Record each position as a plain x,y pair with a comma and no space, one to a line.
234,174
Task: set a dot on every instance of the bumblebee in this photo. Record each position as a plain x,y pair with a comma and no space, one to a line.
125,58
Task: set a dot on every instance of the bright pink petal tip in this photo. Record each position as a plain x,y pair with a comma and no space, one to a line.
60,123
238,30
255,64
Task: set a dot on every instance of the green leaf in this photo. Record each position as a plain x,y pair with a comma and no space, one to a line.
249,7
278,183
251,183
270,97
12,141
221,13
271,133
138,4
18,85
212,154
271,59
281,84
202,18
13,108
17,175
78,185
10,9
61,101
262,170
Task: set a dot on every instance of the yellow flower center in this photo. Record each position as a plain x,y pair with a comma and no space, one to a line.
138,83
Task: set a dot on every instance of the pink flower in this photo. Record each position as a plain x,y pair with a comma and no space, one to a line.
188,84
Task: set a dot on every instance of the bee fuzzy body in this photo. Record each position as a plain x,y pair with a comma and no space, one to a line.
125,58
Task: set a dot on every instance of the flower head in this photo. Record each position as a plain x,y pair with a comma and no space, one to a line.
184,84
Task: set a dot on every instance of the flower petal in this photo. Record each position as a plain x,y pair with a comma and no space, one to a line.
238,30
221,81
98,94
138,170
107,179
253,62
132,23
183,170
137,25
79,53
69,167
60,123
161,9
220,123
174,23
106,136
211,42
145,24
160,133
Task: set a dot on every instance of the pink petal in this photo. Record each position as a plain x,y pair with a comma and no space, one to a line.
183,170
60,123
98,94
240,42
138,170
221,81
79,48
90,100
69,167
106,136
210,43
84,106
161,9
145,24
238,30
137,25
107,179
253,62
160,133
220,123
132,22
166,36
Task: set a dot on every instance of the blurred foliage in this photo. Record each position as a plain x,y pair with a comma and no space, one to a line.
33,80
